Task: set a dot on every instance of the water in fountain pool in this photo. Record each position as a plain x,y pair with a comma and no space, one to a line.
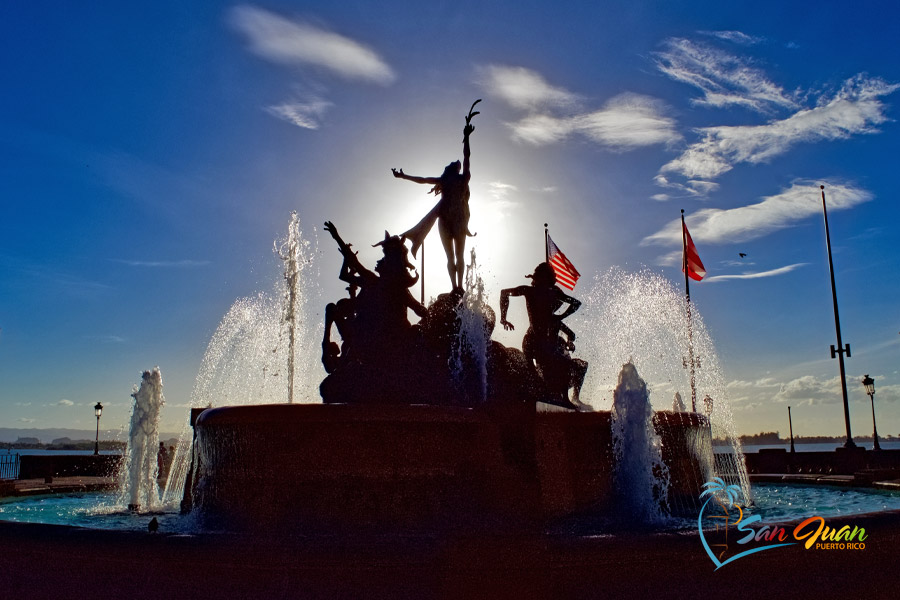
773,502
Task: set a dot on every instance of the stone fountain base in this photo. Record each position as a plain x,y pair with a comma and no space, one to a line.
333,467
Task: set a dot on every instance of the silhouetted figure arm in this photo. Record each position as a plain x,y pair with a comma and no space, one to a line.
504,303
467,151
352,270
416,306
574,303
399,174
467,131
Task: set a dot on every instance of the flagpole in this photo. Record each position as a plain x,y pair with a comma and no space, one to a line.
546,244
423,272
687,297
841,349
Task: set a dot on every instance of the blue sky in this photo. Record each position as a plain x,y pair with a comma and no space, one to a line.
151,152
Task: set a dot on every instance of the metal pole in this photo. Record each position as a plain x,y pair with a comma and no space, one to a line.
841,349
546,244
97,438
687,297
423,272
875,445
791,426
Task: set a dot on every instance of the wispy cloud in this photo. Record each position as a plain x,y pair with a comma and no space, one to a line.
757,275
48,277
810,389
295,42
725,79
500,191
307,115
24,420
163,264
525,89
109,339
737,37
65,402
721,226
854,109
625,122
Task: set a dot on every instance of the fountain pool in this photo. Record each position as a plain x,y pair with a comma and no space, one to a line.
773,502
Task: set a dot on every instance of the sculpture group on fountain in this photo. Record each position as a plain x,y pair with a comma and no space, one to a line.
383,358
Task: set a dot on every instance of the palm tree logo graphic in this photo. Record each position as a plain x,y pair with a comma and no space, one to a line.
725,497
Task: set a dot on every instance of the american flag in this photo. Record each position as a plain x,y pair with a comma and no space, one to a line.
566,273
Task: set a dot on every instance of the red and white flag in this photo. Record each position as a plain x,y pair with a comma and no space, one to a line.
691,260
566,273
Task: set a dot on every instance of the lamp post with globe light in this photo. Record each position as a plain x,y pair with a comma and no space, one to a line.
869,383
98,410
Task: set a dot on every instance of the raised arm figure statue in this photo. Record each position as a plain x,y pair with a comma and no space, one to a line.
375,320
543,343
451,211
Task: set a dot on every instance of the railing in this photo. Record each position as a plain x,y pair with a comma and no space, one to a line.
9,466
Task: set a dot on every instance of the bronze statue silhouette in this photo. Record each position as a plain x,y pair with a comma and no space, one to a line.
374,323
451,211
543,345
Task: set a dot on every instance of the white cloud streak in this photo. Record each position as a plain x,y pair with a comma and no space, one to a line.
737,37
855,109
285,41
65,402
178,264
524,89
758,275
800,201
307,115
725,79
625,122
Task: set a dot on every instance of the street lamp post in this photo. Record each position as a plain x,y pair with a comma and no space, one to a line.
841,348
791,426
98,410
870,390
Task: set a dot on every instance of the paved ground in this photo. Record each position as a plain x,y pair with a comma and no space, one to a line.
47,561
43,561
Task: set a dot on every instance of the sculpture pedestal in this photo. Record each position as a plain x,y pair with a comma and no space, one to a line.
337,468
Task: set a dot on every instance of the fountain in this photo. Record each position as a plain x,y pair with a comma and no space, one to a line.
641,476
140,488
436,425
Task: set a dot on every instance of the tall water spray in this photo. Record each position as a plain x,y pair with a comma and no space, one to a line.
641,477
470,347
641,318
264,350
140,487
290,253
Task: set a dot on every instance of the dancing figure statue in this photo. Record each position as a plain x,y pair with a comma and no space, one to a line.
451,211
543,345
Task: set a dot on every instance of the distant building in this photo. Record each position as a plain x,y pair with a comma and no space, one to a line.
62,440
28,440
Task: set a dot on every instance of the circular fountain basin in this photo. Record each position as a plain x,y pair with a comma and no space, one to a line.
344,467
773,502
